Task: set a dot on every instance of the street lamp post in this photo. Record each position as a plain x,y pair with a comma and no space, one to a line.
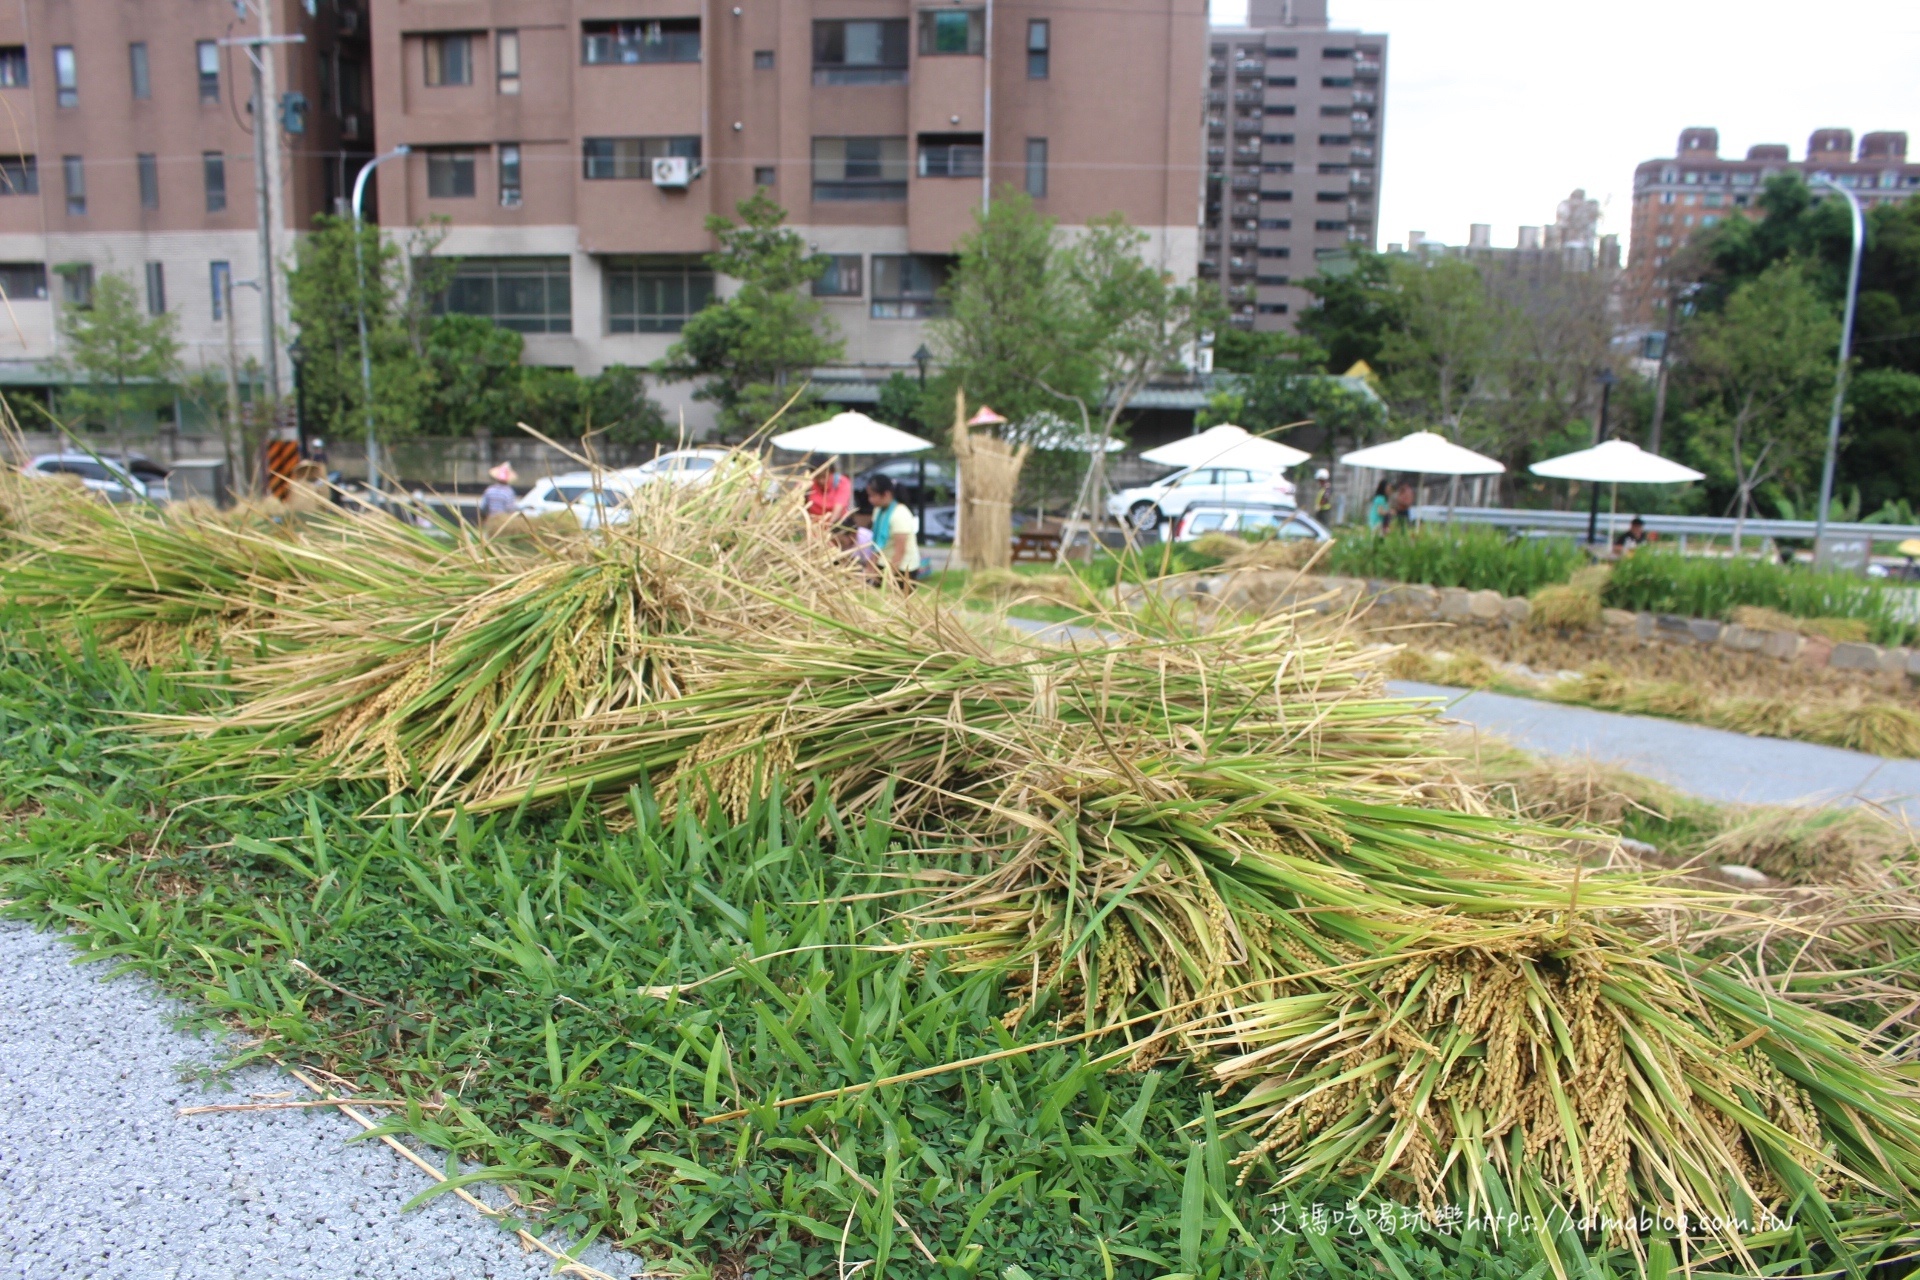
920,357
360,300
1607,379
1846,355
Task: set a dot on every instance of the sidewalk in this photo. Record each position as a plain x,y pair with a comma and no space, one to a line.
1714,764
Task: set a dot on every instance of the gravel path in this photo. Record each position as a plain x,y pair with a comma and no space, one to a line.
101,1178
1714,764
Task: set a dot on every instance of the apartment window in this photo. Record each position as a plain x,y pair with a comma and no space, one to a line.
510,175
1039,48
1277,197
1334,111
859,169
763,59
1331,52
1276,224
1333,167
526,295
1327,225
634,157
655,295
1273,308
1281,82
13,66
952,31
220,276
841,279
1278,139
156,289
906,286
870,52
1283,53
206,56
506,61
213,168
764,175
23,280
19,176
1275,251
66,76
139,71
1330,197
1336,82
351,98
1336,139
622,43
449,59
449,174
329,68
951,155
1036,167
1264,278
75,174
148,167
76,283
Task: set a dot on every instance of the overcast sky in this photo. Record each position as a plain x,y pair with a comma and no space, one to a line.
1496,109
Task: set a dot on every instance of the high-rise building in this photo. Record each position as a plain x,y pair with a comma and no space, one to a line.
1677,196
127,147
577,150
1295,120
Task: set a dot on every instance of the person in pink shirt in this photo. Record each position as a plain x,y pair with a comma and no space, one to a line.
830,497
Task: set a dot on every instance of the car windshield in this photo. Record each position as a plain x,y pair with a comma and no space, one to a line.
571,492
1208,522
1262,522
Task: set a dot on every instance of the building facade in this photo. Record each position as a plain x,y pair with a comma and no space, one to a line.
576,148
1295,124
127,147
1678,196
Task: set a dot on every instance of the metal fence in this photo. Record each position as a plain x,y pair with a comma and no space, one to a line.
1678,527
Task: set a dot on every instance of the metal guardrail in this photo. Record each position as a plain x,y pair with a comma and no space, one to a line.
1575,522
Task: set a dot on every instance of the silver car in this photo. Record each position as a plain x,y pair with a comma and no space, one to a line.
1252,521
115,479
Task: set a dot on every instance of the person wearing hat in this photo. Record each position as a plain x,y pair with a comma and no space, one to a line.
1323,495
498,500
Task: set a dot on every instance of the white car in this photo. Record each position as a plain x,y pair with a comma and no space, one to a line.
682,466
580,492
111,479
1146,507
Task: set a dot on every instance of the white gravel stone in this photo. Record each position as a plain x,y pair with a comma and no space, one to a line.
100,1177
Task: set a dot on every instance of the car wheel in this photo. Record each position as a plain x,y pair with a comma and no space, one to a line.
1144,516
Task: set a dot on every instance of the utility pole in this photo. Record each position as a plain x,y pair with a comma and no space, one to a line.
266,178
360,279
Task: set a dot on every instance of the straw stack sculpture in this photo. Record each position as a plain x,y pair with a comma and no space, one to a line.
1231,841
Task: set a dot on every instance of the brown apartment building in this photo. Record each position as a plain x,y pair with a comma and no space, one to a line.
576,148
126,146
1677,196
1295,123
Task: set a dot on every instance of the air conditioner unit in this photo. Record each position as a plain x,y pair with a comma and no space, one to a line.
350,128
672,171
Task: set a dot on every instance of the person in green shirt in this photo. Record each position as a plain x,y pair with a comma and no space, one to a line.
1378,510
896,530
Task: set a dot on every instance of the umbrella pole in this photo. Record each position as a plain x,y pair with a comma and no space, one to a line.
1453,491
1613,509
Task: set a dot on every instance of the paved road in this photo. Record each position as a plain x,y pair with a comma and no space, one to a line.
1714,764
101,1178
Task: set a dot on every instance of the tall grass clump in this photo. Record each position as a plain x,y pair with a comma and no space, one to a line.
1473,557
1710,587
1221,848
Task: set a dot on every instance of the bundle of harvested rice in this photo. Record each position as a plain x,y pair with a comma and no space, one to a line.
1231,834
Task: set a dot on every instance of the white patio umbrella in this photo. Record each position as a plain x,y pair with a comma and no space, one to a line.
850,432
1614,463
1226,446
1425,454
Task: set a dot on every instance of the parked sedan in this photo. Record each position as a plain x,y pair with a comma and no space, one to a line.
1147,506
1253,522
114,479
580,492
682,466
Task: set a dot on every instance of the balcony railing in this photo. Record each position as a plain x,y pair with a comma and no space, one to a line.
1246,126
1250,97
1246,182
1245,239
1363,67
1362,154
1216,97
1364,99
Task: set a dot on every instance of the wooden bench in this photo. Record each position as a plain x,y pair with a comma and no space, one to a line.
1037,547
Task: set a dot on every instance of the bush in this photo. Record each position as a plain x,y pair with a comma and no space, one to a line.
1702,587
1473,557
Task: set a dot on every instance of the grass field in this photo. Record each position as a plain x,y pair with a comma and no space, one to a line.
520,972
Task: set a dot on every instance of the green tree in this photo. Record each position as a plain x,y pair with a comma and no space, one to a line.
476,376
1008,335
122,358
1279,380
752,346
325,298
1356,307
1759,375
1440,357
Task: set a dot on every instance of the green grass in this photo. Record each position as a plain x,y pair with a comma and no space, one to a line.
1474,557
504,966
1700,587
